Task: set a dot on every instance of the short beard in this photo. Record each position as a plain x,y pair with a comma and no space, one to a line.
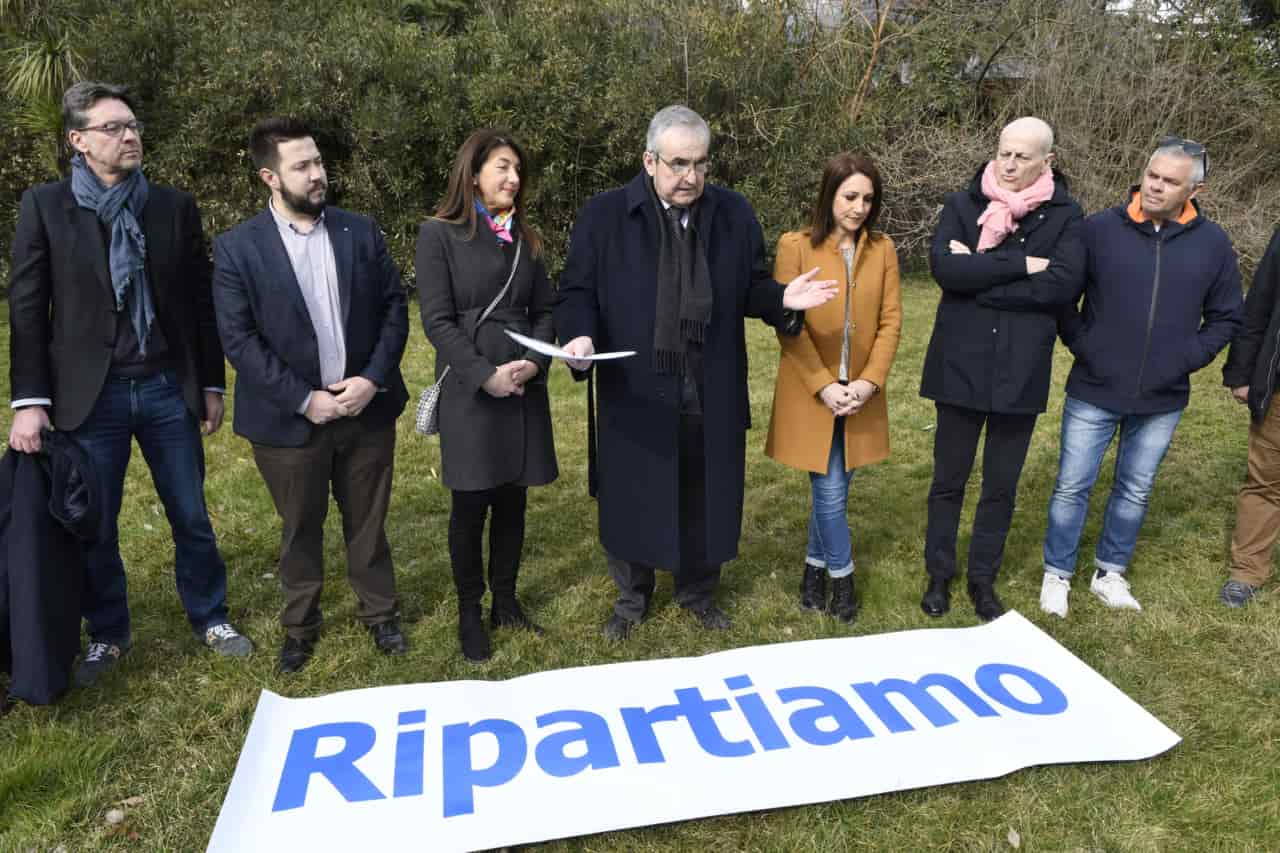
302,204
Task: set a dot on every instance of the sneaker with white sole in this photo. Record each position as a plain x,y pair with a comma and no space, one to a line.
1054,590
1113,590
225,640
98,659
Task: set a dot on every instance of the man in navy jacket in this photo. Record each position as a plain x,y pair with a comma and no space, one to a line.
1162,298
1252,372
314,319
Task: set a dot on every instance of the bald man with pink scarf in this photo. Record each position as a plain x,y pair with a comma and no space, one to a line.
1007,256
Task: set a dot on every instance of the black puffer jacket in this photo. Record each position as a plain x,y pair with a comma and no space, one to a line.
1254,359
992,344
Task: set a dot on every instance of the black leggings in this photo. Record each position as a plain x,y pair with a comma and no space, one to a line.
506,541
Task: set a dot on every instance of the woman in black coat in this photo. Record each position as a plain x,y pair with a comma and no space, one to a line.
494,414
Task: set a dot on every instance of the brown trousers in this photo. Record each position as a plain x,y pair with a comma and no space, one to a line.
358,462
1258,507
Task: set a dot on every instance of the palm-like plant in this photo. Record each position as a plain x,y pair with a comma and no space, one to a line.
38,61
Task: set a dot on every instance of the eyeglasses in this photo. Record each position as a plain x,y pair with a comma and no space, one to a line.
680,167
1189,147
116,128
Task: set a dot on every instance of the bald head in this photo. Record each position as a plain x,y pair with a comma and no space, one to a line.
1024,152
1030,127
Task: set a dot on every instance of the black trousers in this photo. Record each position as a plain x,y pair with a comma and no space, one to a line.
505,508
696,579
955,445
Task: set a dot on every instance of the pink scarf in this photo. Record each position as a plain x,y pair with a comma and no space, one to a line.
1005,208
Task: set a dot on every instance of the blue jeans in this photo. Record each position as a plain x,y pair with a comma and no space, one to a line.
830,545
1086,434
153,411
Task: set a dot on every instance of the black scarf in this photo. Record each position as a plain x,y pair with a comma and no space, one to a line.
684,299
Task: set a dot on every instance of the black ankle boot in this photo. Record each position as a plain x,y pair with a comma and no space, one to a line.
507,613
844,604
937,598
472,635
813,588
985,602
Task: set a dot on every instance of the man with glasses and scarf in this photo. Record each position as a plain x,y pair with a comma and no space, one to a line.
1162,298
668,267
112,338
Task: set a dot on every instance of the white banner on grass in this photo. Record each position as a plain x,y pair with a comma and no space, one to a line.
468,765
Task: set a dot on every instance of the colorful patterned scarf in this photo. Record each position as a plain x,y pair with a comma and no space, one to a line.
500,223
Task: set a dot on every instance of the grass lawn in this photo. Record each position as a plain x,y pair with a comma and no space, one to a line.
169,725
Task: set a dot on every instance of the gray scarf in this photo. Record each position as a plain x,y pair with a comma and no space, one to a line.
118,207
684,301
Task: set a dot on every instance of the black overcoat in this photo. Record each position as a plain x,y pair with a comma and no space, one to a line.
992,343
50,512
486,441
607,292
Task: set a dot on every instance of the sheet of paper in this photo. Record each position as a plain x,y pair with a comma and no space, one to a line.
555,351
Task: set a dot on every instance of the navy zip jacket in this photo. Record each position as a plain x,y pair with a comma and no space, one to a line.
1254,359
1158,306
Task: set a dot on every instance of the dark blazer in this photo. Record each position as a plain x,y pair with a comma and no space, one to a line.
62,318
1254,359
607,291
992,343
486,441
269,337
1158,306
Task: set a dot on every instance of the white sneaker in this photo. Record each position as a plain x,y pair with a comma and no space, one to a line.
1113,590
1053,594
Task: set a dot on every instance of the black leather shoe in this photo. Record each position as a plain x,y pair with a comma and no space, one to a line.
388,638
472,636
713,618
617,628
844,604
509,614
937,598
294,655
985,602
813,588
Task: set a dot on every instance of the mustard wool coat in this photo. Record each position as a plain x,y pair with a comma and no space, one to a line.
801,424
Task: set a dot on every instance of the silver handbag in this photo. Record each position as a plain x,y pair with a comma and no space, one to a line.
427,417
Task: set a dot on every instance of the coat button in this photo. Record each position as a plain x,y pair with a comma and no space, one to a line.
993,331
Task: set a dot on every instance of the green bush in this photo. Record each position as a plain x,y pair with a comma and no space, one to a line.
393,87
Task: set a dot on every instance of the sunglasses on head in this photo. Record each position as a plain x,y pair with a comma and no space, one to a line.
1189,147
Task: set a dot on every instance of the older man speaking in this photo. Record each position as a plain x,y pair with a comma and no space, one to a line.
668,266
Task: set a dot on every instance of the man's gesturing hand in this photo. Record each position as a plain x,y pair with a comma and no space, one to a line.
803,292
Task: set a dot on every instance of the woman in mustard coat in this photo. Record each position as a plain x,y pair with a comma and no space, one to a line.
830,415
